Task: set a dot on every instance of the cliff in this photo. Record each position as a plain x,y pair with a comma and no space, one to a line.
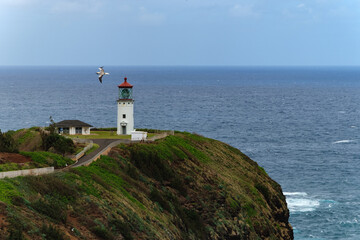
182,187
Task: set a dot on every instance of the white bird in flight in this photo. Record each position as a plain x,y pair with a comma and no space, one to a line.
101,73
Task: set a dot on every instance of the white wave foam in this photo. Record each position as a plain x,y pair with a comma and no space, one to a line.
295,193
343,141
302,204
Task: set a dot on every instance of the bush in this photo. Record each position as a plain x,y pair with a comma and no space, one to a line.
51,139
7,143
156,196
132,172
52,186
60,143
264,191
17,225
102,233
122,227
52,233
53,209
15,234
149,162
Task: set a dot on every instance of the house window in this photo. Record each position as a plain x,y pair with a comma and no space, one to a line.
66,130
124,115
78,130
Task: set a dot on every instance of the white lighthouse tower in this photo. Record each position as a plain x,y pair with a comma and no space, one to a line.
125,103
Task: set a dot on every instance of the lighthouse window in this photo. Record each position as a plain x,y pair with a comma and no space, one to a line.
124,115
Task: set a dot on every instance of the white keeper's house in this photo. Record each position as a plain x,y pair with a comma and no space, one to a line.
73,127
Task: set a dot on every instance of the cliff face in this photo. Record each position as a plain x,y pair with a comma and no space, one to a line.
181,187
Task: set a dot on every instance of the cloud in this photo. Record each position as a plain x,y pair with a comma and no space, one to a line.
239,10
303,7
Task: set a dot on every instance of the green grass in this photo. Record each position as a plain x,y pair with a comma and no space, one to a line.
14,166
101,135
28,135
7,191
94,147
49,159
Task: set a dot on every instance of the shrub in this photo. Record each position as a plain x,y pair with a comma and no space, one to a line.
52,186
264,191
15,234
17,200
102,233
132,172
53,209
60,143
156,196
178,184
50,139
16,225
122,227
7,143
149,162
250,209
51,232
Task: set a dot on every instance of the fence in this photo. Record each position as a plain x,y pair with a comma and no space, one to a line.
89,143
27,172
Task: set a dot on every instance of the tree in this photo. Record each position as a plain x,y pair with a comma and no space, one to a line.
52,126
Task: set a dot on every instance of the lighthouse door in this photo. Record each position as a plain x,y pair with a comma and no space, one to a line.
123,129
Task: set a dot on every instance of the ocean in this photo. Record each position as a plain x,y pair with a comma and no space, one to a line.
302,124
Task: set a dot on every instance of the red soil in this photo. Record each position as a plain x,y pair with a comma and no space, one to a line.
13,158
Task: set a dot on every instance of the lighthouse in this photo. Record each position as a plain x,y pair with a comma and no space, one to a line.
125,104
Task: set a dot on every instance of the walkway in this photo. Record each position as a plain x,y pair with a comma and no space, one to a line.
104,145
107,144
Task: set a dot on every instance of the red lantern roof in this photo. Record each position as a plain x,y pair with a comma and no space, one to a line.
125,84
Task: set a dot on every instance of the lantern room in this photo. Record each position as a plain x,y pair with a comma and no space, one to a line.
125,90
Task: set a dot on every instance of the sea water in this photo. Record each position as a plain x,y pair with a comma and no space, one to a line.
300,123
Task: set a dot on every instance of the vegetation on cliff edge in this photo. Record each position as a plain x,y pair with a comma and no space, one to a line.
181,187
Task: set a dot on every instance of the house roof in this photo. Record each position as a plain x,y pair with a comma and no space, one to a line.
72,123
125,84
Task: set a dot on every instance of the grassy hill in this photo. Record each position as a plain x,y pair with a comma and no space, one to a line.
181,187
28,139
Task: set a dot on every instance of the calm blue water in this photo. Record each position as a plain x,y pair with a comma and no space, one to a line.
301,124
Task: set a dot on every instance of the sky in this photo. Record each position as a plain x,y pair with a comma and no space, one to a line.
180,32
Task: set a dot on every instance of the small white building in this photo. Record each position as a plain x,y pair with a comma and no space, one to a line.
73,127
138,136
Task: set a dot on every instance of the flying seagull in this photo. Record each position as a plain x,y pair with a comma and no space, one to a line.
101,73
